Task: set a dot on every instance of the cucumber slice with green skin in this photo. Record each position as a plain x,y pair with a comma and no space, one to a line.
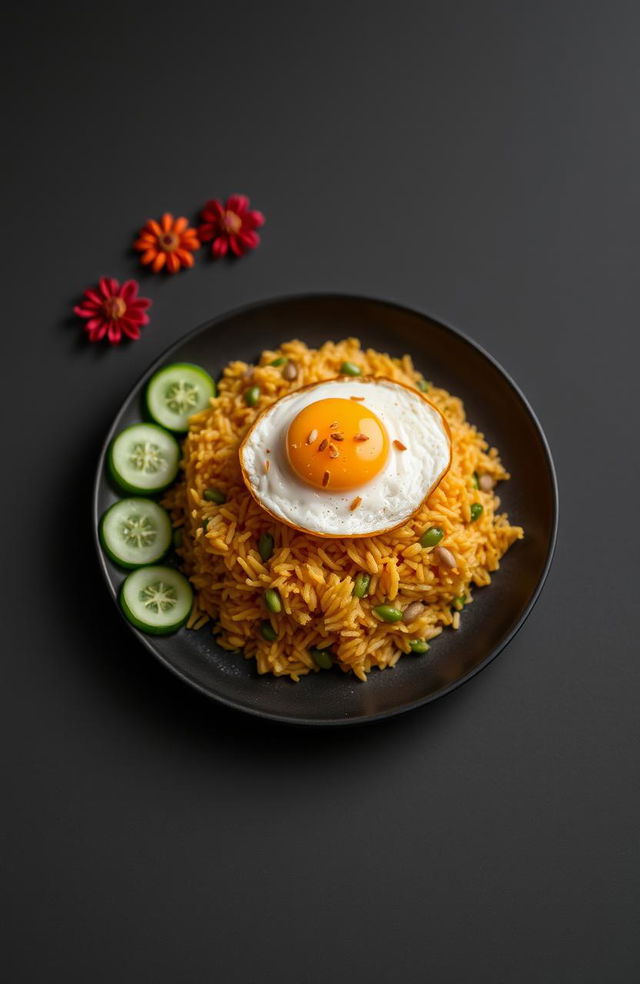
134,532
176,392
156,600
144,458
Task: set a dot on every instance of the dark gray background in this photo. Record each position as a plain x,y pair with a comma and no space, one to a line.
481,162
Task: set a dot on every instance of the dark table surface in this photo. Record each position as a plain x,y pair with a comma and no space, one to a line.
480,162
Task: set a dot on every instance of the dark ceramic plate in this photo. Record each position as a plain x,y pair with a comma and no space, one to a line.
493,403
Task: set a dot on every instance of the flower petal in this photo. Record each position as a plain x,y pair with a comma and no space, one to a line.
237,203
130,329
185,257
93,296
98,333
180,225
236,246
159,262
253,219
166,222
144,242
140,304
173,263
114,333
149,256
212,210
220,246
84,312
129,291
207,231
189,240
250,239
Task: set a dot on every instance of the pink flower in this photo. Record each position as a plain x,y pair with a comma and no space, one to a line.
112,310
231,226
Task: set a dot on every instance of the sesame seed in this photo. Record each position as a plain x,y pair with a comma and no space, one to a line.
312,436
337,437
399,445
267,466
356,502
356,398
361,437
333,451
323,445
325,479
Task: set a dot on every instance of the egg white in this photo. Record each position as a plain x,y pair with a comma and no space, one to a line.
388,499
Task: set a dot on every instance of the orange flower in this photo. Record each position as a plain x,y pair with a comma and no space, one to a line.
168,244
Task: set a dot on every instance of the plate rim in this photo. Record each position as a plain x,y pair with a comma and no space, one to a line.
335,296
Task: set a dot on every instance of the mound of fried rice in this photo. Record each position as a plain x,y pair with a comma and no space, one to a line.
315,575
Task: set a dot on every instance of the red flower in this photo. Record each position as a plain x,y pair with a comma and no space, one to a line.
230,226
168,244
112,310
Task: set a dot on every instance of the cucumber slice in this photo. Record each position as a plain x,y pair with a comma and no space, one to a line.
156,599
144,458
134,532
176,392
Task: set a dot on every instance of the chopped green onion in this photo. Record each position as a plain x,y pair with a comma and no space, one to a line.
214,495
322,658
252,395
388,613
268,632
265,546
272,600
432,536
361,585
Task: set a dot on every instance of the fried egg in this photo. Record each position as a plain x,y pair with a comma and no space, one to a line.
346,457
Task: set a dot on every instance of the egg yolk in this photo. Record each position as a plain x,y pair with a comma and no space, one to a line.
337,444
